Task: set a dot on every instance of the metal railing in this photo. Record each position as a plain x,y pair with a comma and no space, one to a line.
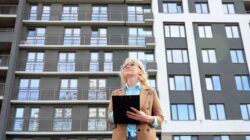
91,94
58,124
75,94
74,65
4,60
2,87
86,39
8,9
6,30
89,16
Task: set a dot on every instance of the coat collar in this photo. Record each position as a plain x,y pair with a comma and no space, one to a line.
143,94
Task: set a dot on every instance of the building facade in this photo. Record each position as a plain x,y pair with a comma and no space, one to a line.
60,61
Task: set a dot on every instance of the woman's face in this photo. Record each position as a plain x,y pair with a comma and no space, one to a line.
131,69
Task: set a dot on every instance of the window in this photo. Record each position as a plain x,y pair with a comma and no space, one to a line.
242,83
183,112
97,119
228,8
152,82
100,13
66,62
201,8
185,138
232,31
94,61
70,13
36,36
34,119
172,7
33,12
108,61
28,89
19,119
213,82
221,138
237,56
136,13
72,36
62,119
174,31
35,61
143,56
208,56
247,137
217,112
137,36
245,111
46,12
99,36
97,89
68,89
205,31
180,83
177,56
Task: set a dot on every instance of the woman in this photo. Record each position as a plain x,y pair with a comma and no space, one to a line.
134,82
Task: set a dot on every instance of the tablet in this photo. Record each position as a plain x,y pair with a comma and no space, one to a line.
121,104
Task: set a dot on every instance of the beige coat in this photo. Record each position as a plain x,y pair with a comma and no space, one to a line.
149,103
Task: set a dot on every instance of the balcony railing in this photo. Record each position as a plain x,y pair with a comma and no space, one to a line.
4,60
94,40
76,65
58,124
6,34
89,16
8,9
2,86
91,94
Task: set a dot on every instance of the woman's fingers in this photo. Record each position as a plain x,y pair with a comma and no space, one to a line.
135,110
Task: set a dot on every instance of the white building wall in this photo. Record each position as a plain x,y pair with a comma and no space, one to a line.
201,126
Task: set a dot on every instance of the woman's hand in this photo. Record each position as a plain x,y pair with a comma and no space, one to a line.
140,116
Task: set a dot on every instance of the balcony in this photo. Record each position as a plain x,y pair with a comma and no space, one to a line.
4,62
77,67
247,6
58,125
2,86
88,17
94,1
6,34
8,11
89,42
72,95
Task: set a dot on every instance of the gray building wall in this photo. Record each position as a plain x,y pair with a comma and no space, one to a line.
229,96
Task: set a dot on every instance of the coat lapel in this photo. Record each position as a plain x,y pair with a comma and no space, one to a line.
143,95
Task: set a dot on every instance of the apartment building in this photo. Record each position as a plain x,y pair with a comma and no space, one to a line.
66,56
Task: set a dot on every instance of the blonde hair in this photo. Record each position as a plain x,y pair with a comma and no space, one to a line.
143,77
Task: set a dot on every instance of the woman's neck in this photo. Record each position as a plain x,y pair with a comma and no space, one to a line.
131,82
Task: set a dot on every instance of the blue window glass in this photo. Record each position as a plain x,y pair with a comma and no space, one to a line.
247,137
216,82
185,138
237,56
180,83
242,83
183,112
221,137
245,111
217,112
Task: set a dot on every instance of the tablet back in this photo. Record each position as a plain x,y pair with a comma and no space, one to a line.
121,104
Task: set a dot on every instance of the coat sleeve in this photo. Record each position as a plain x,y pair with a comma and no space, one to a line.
110,108
156,108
